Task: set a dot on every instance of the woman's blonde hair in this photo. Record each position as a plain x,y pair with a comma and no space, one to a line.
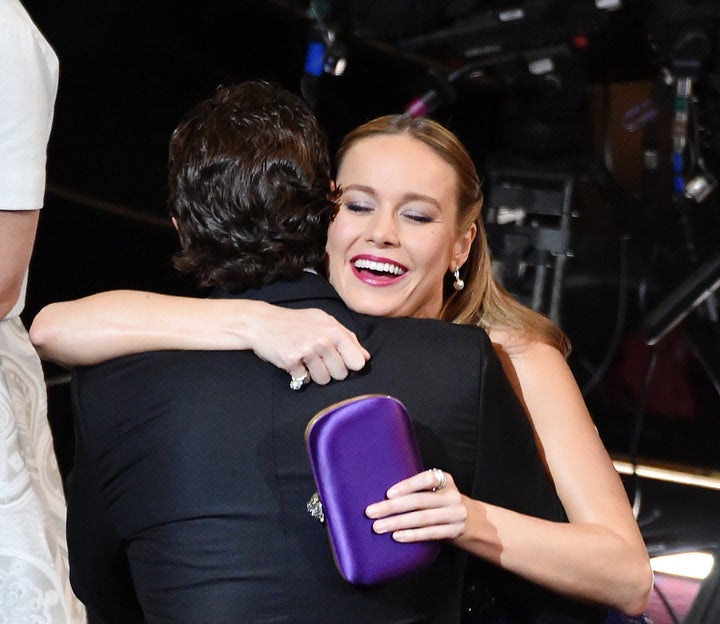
483,301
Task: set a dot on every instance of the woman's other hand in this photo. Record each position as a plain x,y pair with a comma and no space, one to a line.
417,509
311,339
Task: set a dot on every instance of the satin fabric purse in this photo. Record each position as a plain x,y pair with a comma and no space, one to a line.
358,448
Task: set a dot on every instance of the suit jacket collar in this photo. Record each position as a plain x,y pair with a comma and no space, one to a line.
307,286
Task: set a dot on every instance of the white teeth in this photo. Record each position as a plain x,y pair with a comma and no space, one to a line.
380,267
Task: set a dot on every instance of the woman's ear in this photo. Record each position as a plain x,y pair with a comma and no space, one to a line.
461,249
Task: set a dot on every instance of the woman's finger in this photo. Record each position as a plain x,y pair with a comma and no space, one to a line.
427,480
317,370
436,532
425,522
333,362
354,355
413,502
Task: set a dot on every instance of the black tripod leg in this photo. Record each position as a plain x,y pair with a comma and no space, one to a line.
681,301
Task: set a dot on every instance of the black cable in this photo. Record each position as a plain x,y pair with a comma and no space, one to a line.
602,368
637,429
614,195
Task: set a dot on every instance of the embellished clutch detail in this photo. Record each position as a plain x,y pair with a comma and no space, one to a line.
358,448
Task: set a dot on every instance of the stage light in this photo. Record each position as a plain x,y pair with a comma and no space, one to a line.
710,481
693,565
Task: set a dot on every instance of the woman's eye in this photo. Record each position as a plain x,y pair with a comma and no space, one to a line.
418,217
357,207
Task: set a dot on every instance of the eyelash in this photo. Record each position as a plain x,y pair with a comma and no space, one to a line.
420,218
360,208
354,207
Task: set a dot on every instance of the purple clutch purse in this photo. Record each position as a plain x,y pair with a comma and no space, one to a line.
358,448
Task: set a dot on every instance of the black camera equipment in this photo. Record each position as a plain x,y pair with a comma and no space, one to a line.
497,27
527,215
685,38
528,51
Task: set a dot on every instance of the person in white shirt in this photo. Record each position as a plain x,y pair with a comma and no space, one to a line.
34,583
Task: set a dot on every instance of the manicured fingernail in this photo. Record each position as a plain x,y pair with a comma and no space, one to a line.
371,511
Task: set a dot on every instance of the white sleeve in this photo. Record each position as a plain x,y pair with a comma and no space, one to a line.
28,87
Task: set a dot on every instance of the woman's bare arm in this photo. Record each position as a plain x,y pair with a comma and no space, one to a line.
599,556
115,323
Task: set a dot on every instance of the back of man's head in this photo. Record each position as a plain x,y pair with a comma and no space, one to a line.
249,187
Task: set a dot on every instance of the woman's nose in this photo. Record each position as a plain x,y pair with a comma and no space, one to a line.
382,230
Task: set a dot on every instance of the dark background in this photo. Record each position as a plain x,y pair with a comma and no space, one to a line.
129,70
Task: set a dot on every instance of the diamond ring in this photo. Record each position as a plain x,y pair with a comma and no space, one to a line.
296,383
440,476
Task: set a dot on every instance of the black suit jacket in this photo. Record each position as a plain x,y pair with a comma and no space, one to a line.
187,499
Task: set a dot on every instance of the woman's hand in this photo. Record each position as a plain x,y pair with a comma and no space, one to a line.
417,510
296,340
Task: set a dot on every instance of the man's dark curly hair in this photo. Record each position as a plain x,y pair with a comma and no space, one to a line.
249,187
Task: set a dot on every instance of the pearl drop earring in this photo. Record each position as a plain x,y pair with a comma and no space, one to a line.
458,284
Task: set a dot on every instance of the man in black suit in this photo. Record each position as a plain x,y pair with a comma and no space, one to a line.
187,499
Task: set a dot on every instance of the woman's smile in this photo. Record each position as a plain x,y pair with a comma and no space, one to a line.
377,271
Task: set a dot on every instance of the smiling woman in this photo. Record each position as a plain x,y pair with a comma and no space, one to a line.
397,228
416,171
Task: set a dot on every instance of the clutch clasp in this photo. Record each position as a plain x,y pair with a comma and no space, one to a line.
315,508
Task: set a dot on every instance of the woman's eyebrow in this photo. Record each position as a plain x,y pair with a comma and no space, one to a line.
420,197
359,187
406,197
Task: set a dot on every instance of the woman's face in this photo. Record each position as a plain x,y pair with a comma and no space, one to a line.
395,235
